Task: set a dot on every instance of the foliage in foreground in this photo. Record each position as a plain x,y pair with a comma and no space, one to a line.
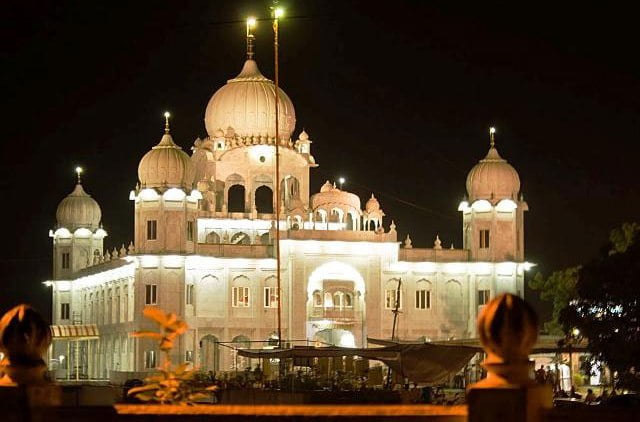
172,385
606,308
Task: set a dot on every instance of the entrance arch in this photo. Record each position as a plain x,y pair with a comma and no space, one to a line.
335,270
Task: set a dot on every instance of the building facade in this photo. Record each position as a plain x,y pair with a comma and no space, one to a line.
204,249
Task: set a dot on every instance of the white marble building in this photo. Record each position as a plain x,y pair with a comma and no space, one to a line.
204,236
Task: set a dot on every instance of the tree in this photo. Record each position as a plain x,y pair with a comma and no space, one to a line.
606,308
559,288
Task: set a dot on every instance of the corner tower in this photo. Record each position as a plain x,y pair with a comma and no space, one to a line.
165,206
78,235
493,216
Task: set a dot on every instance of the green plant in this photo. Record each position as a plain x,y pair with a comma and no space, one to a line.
171,385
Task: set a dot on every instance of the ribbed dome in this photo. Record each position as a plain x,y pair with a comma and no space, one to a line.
166,165
493,178
372,204
77,210
247,105
334,196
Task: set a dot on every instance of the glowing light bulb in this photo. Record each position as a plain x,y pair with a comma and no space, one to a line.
492,130
79,170
278,12
576,332
167,114
251,22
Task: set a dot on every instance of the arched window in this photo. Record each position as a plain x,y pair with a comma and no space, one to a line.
348,300
423,295
391,295
240,293
337,299
235,199
240,238
264,239
270,293
264,200
317,299
212,237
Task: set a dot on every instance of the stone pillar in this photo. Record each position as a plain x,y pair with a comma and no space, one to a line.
508,329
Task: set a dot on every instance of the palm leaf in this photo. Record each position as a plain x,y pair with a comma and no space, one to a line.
142,388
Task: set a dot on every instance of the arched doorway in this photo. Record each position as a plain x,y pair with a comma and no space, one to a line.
210,353
240,342
235,201
264,200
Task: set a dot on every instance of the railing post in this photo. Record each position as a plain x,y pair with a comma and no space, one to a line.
508,329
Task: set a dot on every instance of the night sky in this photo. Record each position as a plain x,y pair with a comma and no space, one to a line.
397,97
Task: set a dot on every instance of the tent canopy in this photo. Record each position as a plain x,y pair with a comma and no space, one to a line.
75,332
418,362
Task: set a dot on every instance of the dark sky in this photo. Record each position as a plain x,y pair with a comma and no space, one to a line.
396,96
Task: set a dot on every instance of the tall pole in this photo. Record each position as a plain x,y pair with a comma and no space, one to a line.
276,15
396,311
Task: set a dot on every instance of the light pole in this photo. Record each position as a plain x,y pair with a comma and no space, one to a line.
277,14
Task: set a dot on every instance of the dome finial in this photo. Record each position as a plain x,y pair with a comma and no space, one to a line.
166,122
492,134
251,24
79,172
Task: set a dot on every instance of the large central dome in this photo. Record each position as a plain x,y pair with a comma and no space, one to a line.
246,104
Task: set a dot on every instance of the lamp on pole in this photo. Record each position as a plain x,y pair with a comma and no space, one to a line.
341,181
277,13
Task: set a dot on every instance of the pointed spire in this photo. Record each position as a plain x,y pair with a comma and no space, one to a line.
131,249
392,227
114,253
492,136
408,242
437,244
123,251
251,24
166,122
79,172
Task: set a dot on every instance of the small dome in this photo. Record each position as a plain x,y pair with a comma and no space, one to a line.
330,195
372,204
166,165
326,187
246,104
304,136
77,210
493,178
